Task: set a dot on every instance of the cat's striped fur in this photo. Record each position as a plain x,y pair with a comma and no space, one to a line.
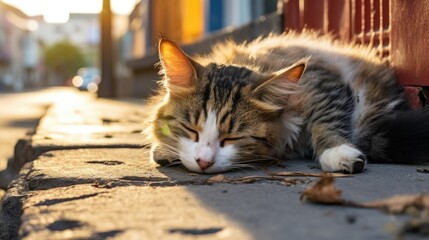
251,102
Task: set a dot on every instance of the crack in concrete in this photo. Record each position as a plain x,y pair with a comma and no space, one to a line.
106,162
64,224
62,200
195,231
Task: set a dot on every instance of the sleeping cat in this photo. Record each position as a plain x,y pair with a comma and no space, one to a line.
280,97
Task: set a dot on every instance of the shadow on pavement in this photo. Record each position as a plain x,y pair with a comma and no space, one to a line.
271,210
22,123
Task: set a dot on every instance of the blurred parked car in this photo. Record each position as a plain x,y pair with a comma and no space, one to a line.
87,79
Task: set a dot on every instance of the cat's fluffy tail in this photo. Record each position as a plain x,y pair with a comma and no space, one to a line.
405,138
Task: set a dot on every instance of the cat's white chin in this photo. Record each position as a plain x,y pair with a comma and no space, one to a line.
222,158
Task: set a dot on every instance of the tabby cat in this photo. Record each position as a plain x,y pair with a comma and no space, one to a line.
280,97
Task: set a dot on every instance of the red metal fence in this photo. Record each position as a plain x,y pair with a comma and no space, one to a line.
396,28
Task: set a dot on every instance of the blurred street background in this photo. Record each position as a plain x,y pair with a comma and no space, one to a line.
49,48
49,42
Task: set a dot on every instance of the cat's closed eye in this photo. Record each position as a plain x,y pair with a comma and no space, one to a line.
192,132
229,140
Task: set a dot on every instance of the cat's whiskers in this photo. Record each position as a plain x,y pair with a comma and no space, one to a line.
250,157
242,166
258,160
173,163
147,133
171,152
170,149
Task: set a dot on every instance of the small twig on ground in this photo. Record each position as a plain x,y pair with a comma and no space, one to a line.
272,176
304,174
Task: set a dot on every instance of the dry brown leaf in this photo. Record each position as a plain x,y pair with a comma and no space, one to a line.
194,174
416,226
401,203
422,170
248,179
216,179
304,174
323,191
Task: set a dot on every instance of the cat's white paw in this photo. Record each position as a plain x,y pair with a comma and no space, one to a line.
343,158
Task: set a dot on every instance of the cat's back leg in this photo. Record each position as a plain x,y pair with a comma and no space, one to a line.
381,97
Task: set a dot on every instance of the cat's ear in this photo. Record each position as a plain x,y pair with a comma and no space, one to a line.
291,74
178,67
272,94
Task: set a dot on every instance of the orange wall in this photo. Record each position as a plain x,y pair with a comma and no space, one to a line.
178,20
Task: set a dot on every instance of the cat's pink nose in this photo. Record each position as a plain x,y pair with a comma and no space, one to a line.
204,164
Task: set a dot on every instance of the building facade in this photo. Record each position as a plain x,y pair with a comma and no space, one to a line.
19,50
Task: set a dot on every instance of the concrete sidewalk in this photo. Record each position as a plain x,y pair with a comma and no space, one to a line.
20,113
86,175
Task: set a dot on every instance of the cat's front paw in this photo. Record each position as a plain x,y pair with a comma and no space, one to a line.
160,156
343,158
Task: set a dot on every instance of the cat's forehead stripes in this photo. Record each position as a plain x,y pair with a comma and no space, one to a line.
222,92
227,77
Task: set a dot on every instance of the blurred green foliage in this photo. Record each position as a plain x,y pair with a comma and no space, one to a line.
64,58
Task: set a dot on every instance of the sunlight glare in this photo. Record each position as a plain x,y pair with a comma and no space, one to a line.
57,9
31,8
77,81
92,87
32,25
123,7
56,12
